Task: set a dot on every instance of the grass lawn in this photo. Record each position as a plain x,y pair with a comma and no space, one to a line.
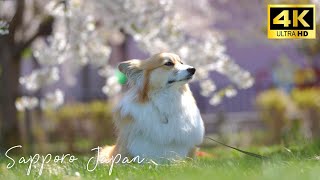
293,162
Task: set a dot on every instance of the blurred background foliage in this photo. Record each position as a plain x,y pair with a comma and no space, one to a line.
297,113
75,127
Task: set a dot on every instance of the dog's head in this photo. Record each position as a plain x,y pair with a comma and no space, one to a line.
161,70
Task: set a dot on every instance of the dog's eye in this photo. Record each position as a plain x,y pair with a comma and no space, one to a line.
169,63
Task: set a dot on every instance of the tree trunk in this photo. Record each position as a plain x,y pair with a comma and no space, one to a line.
277,125
314,122
29,133
9,90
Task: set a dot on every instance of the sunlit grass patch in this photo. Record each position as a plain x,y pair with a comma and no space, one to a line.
294,162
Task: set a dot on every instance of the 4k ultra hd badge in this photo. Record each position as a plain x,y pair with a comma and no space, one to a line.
291,21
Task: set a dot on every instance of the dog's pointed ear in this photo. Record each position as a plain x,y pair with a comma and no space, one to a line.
129,67
132,69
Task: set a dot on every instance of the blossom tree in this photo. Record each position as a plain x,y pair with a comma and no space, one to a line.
78,32
20,26
81,36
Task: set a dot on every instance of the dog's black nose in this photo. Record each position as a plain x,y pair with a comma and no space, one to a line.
191,70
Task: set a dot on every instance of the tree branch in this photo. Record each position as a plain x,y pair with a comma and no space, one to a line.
45,29
17,19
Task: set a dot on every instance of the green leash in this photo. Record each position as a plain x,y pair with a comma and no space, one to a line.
242,151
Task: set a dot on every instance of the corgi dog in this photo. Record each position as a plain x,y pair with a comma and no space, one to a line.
157,118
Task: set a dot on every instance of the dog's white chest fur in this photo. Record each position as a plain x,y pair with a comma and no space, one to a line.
168,126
